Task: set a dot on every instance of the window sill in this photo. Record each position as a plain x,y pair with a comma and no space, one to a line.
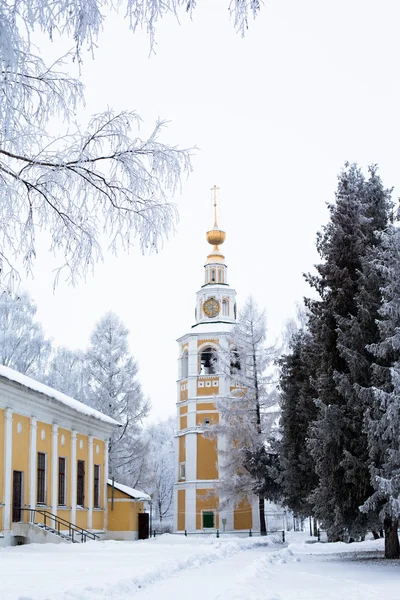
63,507
98,509
82,508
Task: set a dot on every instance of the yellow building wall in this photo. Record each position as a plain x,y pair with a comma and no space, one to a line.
2,466
183,395
242,515
213,417
183,410
207,457
207,391
206,406
44,445
181,509
183,422
20,451
98,519
207,342
124,516
206,500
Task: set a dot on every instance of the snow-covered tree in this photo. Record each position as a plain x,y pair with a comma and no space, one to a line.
86,181
342,324
297,475
160,468
383,423
66,373
244,419
114,389
23,345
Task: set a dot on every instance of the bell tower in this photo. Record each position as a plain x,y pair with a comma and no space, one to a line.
196,505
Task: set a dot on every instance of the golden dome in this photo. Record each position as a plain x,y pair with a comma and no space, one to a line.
215,236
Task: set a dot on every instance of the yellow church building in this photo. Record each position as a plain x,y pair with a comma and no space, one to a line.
195,499
54,469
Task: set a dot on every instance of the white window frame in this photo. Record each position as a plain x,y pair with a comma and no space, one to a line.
182,469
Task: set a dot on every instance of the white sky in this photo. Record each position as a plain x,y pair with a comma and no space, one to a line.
274,115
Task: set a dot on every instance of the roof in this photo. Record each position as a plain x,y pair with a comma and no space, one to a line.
136,494
41,388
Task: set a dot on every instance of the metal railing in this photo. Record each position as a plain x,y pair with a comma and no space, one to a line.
278,537
60,526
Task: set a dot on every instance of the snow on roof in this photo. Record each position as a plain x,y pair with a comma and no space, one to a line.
36,386
212,328
136,494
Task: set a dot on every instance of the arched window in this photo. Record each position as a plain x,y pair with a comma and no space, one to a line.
235,361
213,280
225,307
221,276
185,364
207,361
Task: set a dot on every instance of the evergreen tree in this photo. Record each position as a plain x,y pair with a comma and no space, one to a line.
23,345
244,423
297,475
383,423
342,324
114,389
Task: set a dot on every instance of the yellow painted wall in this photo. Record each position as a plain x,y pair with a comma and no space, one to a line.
206,500
20,451
214,417
181,509
45,446
183,410
207,342
183,395
98,519
183,422
242,515
206,406
81,517
98,459
124,516
207,391
207,457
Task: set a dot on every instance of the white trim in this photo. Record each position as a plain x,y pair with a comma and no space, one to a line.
73,477
91,482
54,468
7,469
32,463
132,500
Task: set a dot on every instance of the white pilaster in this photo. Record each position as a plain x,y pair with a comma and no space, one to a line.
193,361
190,508
32,463
91,483
73,476
54,468
191,456
105,478
8,469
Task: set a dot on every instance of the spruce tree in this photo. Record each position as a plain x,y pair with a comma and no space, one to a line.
342,325
297,477
383,422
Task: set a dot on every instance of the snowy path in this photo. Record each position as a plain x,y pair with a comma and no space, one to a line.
173,567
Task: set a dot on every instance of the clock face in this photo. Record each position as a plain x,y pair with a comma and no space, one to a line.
211,307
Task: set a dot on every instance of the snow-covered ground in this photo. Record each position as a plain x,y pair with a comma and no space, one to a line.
171,567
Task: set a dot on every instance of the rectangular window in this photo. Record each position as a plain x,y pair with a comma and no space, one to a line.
96,487
61,481
41,478
80,493
208,519
182,474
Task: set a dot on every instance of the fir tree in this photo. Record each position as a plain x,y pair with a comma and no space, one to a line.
342,324
297,475
383,423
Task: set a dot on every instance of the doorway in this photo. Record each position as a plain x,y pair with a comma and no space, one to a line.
17,501
143,532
